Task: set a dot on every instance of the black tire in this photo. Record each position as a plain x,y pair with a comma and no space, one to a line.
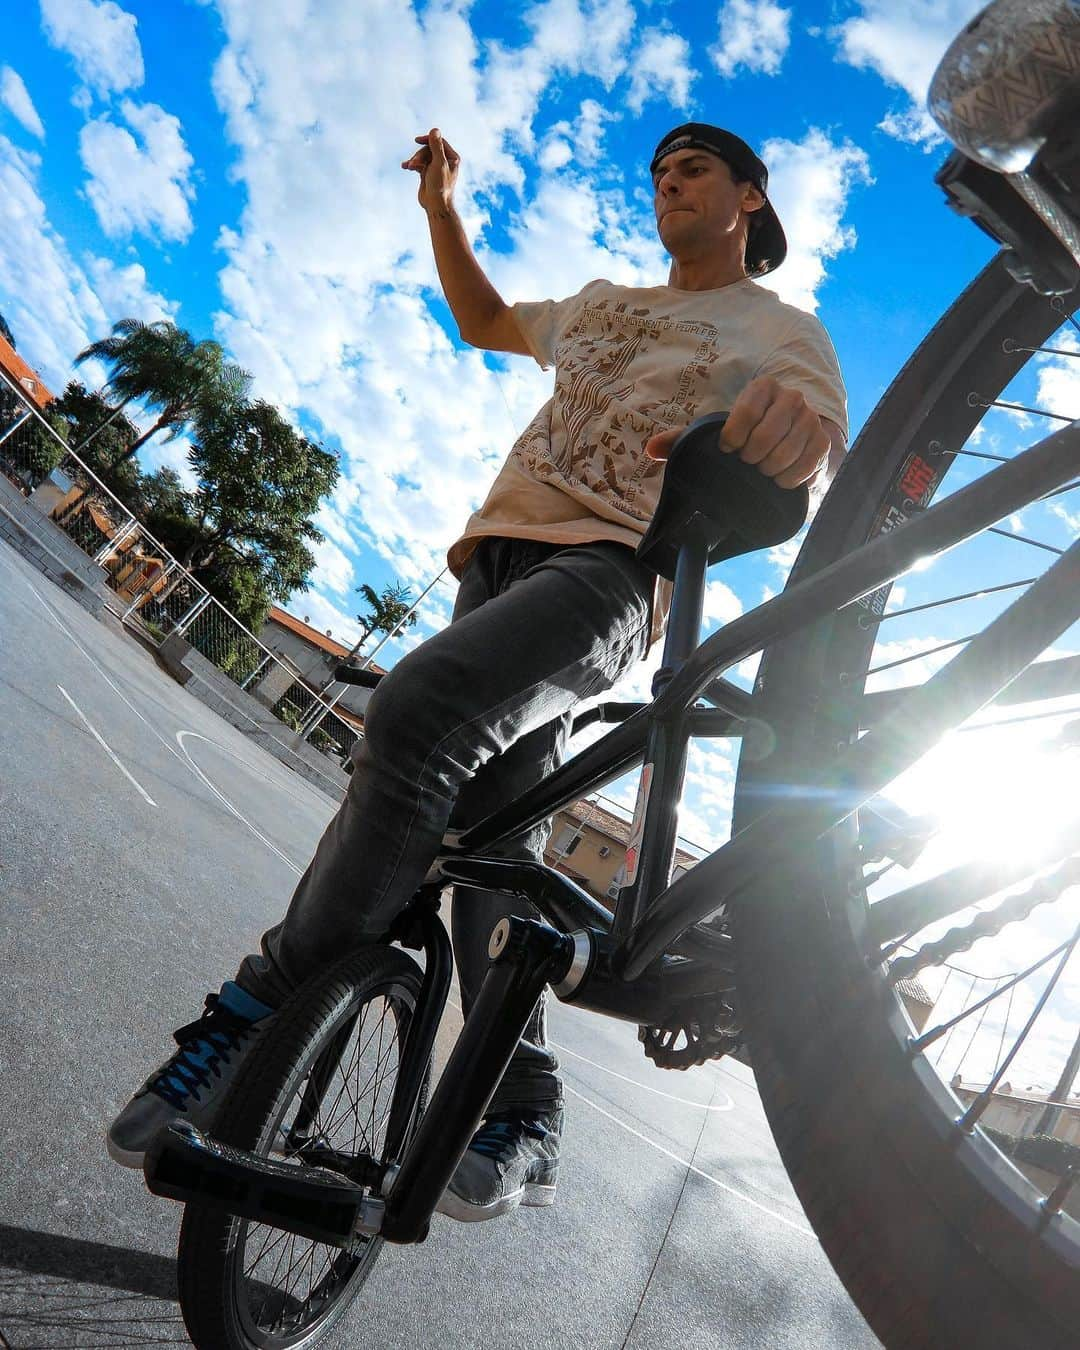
231,1298
936,1237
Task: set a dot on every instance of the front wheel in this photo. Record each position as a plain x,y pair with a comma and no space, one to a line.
316,1091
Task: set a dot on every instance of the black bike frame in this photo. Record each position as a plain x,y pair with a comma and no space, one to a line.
646,963
650,915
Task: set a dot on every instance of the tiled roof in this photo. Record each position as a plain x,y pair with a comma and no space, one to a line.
312,635
28,380
914,990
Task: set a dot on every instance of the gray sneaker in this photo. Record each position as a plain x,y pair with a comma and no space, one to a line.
513,1160
190,1085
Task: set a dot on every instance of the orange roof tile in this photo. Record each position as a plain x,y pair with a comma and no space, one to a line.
312,635
28,380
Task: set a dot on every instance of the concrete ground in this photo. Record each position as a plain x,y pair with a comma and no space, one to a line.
144,845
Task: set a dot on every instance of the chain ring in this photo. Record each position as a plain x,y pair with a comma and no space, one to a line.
708,1026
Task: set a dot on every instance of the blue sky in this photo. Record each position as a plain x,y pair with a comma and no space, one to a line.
234,164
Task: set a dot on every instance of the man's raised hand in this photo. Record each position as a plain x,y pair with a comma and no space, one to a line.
437,164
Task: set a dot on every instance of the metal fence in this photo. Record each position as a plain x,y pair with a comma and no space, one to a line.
150,590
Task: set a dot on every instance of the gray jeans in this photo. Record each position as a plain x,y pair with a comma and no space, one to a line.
462,725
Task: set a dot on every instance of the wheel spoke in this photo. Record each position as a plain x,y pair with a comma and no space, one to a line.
971,1116
1010,346
981,454
1023,539
927,1038
273,1238
872,620
918,656
977,401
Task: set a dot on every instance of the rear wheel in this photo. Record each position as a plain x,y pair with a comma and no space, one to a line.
901,1145
316,1092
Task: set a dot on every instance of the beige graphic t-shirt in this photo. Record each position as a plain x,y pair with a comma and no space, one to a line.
629,362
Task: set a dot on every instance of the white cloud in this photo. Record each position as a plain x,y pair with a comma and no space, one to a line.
52,303
903,44
142,182
333,570
571,231
16,99
754,35
124,291
660,69
580,37
1059,377
721,603
579,142
810,182
101,39
162,454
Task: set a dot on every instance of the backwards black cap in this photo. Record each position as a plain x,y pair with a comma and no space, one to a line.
766,247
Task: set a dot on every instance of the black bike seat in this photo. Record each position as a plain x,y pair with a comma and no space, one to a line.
713,495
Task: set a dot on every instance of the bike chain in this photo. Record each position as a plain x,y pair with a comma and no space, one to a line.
1043,890
709,1026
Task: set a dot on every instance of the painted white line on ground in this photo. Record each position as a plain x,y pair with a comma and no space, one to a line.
285,780
181,753
684,1162
108,750
727,1105
181,737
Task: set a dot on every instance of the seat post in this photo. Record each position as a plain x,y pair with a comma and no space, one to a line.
687,605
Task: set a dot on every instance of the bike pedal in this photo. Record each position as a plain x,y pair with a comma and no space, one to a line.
185,1164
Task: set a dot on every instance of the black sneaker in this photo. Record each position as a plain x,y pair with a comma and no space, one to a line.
513,1160
190,1085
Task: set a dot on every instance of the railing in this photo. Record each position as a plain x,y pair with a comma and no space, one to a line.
151,591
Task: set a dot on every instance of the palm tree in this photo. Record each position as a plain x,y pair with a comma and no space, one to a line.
163,365
390,613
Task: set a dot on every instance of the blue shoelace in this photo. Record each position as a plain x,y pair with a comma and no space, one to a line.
203,1046
498,1137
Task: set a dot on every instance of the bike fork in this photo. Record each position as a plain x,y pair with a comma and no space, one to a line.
525,956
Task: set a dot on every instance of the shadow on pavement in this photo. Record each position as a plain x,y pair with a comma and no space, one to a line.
54,1292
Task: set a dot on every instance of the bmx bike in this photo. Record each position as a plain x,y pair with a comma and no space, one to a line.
797,937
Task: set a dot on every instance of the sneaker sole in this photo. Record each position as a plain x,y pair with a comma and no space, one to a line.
533,1195
123,1156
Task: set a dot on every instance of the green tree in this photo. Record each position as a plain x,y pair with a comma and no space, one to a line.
6,332
259,482
39,452
168,370
84,412
164,495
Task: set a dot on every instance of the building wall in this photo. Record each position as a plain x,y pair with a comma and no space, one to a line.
1018,1116
315,665
594,858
